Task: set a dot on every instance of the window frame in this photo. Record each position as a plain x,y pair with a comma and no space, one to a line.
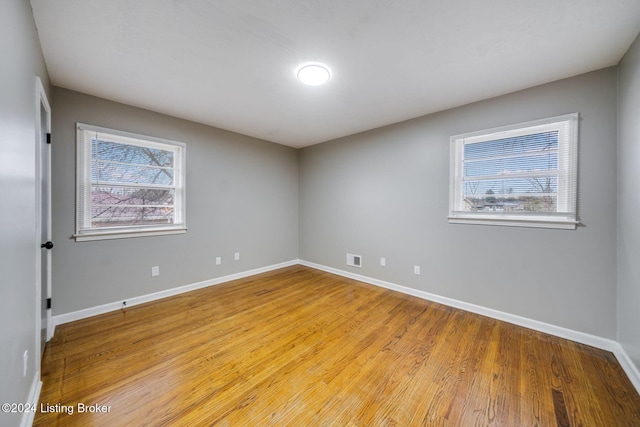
565,218
84,230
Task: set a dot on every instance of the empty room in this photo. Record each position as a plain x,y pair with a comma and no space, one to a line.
320,213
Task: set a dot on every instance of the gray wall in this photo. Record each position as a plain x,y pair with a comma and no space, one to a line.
21,61
242,196
380,193
629,203
384,193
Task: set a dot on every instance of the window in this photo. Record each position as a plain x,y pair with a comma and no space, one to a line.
521,175
128,185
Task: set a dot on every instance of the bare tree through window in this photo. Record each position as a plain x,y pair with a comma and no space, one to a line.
128,182
523,173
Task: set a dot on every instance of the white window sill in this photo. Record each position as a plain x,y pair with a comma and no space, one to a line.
541,222
126,234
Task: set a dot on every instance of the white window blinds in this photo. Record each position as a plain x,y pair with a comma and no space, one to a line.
128,184
524,174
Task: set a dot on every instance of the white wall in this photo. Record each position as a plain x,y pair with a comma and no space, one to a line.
21,61
628,254
242,196
384,193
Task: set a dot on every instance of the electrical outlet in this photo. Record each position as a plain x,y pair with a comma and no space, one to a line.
236,256
155,271
416,270
383,262
218,260
25,363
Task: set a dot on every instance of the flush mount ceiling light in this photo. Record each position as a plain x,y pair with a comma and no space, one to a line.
313,74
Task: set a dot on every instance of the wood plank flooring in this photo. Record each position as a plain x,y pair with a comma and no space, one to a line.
301,347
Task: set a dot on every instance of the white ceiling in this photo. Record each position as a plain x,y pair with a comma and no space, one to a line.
230,63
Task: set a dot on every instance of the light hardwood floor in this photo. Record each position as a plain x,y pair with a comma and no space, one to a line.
302,347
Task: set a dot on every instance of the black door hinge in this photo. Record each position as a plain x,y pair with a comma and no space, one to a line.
48,138
48,303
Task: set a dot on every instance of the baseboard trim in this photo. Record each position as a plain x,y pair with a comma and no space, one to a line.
32,401
592,340
113,306
627,365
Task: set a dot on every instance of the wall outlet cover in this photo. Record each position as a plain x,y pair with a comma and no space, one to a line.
25,363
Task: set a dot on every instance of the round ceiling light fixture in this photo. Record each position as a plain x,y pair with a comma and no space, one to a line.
313,74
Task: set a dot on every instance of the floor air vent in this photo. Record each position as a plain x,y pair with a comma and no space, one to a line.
354,260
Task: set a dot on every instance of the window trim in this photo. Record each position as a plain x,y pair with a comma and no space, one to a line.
567,175
85,232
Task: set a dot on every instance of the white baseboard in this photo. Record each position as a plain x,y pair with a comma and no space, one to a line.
32,400
113,306
592,340
627,364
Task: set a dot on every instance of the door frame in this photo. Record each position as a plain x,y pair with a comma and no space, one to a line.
42,102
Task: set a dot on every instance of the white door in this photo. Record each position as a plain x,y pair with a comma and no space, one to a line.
43,201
